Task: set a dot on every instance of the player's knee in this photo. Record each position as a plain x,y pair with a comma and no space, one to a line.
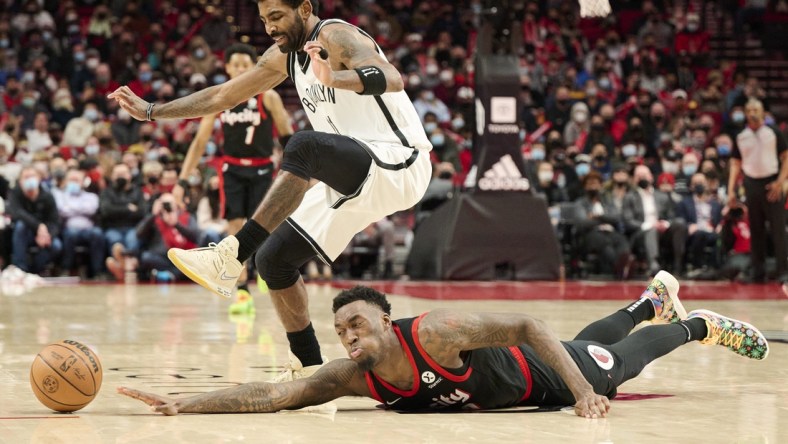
273,268
300,154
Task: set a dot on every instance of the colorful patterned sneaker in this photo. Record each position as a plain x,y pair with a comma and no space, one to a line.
244,303
737,336
663,292
216,267
295,370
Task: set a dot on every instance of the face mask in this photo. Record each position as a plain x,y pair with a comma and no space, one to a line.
768,120
738,116
689,170
92,150
58,174
91,114
199,53
219,79
600,158
429,127
724,150
428,96
591,92
120,183
79,57
92,63
592,194
28,102
438,139
545,176
153,180
629,150
644,183
699,189
102,79
620,184
73,188
581,117
146,77
194,181
670,167
157,84
537,154
4,43
210,149
432,70
30,184
445,76
458,123
692,27
604,83
657,118
582,169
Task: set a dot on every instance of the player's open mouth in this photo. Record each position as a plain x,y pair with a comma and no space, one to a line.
279,40
354,353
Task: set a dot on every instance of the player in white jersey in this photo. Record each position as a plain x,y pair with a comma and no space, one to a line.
367,158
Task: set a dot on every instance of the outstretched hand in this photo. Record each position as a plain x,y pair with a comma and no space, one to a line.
592,406
158,404
129,101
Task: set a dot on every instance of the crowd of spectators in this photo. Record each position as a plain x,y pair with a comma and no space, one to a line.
631,102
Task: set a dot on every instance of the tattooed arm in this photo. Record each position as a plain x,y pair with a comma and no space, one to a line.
336,379
270,71
444,334
348,49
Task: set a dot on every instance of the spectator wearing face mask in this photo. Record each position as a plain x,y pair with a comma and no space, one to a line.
689,166
649,218
426,102
547,187
576,130
166,227
80,129
121,206
598,223
574,184
597,135
151,177
558,110
78,210
444,149
618,187
34,214
125,130
28,109
703,214
143,84
201,59
63,107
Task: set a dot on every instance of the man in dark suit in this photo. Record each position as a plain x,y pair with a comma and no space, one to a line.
702,214
649,217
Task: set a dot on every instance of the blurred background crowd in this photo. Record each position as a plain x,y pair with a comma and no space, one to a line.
612,108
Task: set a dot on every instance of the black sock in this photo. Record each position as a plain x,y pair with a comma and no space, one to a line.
250,237
696,329
640,310
244,287
304,345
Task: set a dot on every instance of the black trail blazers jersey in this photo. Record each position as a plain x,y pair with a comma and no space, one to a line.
248,130
489,378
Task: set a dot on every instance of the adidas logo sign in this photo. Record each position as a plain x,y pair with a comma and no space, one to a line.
504,175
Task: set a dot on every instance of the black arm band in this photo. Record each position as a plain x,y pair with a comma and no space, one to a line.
373,79
283,140
183,183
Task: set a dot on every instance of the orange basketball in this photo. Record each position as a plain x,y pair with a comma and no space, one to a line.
66,376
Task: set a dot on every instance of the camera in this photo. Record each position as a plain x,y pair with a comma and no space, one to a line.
166,206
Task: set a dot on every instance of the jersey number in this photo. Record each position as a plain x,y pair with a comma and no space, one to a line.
249,134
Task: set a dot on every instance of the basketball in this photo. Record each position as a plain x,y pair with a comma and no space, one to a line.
66,376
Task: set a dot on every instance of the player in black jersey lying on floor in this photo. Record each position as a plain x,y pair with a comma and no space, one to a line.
450,360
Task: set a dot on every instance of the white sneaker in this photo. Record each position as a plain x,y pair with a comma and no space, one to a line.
295,370
215,267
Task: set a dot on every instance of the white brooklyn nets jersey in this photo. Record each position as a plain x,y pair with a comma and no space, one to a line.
388,118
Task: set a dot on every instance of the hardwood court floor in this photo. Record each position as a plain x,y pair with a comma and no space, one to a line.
179,340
